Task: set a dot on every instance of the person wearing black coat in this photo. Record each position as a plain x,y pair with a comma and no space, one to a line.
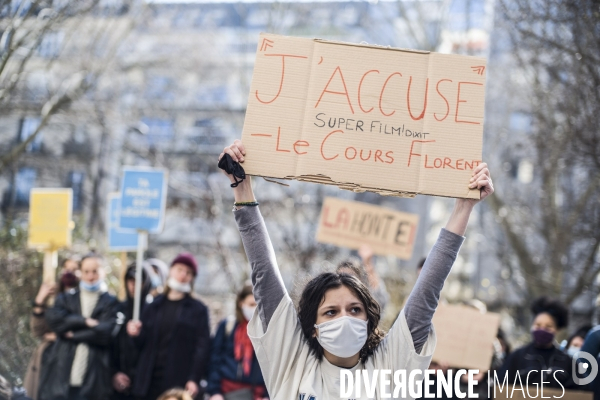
542,353
173,336
78,366
124,352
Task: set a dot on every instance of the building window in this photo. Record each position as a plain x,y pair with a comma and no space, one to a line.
75,182
214,95
51,44
520,122
160,88
209,133
24,182
159,130
28,127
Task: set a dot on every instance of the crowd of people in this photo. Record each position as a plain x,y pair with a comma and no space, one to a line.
91,348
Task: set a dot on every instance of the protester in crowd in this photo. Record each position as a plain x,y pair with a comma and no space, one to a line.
159,273
591,345
353,267
376,284
301,354
7,392
78,365
575,342
234,370
173,336
550,316
124,352
70,264
175,394
40,329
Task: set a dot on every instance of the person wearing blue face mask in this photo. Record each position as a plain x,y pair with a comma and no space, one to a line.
78,367
542,353
576,340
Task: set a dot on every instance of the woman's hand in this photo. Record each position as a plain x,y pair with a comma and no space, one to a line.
134,328
46,290
91,323
192,388
459,219
481,180
121,382
243,192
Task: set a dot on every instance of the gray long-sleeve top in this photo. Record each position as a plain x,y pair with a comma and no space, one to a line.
269,288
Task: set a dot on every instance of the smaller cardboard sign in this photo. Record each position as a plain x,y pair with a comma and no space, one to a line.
465,336
119,239
143,199
353,224
50,223
521,393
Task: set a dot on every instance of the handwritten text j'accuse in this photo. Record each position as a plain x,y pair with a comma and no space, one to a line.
450,94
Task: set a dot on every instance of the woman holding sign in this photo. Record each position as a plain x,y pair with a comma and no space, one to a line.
302,352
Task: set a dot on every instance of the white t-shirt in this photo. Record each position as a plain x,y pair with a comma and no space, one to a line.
292,372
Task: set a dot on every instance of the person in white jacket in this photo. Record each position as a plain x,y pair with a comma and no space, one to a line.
302,352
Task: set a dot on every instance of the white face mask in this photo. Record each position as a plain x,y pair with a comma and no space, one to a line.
572,350
343,337
248,312
178,286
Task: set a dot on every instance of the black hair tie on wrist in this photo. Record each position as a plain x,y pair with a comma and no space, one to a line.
233,168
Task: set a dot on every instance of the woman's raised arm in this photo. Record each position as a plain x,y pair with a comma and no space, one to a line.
267,284
424,297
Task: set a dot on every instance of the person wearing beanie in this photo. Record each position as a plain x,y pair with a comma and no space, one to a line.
173,336
84,320
124,352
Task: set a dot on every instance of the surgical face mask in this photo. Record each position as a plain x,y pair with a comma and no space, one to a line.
156,281
180,287
572,350
542,337
90,287
248,312
343,337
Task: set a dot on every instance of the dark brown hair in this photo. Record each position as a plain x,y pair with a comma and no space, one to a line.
242,294
313,296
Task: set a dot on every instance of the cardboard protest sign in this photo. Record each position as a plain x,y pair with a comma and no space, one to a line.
352,224
50,223
392,121
524,393
465,336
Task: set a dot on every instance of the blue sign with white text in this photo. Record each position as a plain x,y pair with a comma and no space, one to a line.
119,239
143,199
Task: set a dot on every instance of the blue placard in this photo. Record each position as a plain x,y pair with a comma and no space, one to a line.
118,239
143,199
